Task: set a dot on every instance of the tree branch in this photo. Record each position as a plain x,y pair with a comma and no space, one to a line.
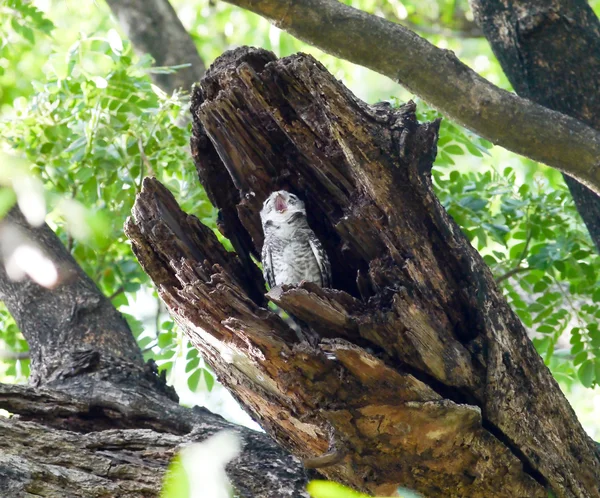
71,318
13,355
510,273
441,79
154,28
553,68
120,445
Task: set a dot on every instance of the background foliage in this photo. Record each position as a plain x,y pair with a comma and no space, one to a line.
78,105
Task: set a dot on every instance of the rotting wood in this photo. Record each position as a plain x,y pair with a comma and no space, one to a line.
424,376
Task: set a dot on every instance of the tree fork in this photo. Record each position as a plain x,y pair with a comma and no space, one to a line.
424,377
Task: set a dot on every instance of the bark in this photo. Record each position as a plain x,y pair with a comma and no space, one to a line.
441,79
62,322
154,28
550,52
423,376
96,446
105,423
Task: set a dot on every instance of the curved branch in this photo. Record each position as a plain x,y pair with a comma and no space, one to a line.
441,79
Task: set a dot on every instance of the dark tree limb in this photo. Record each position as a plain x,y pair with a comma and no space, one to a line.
72,319
154,28
59,445
424,377
441,79
110,424
550,52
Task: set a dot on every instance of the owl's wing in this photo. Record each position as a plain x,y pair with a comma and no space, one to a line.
322,259
267,264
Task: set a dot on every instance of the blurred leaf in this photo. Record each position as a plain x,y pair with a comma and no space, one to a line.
586,373
328,489
175,483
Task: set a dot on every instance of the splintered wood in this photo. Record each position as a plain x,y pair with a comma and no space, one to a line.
423,377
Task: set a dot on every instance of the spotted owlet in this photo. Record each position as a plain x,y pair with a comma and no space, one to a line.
291,251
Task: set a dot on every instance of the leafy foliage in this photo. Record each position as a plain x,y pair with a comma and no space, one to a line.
535,243
328,489
93,129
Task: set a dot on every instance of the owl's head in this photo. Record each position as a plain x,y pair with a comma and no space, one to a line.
281,207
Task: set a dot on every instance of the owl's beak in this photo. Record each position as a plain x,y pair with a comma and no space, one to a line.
280,204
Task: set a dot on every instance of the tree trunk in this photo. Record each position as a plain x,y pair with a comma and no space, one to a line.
154,28
423,376
550,52
102,423
72,318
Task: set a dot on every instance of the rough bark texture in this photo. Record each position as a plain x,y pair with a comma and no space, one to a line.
71,318
154,28
441,79
423,377
112,445
550,52
110,424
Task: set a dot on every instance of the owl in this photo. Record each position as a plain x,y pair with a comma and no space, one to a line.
291,251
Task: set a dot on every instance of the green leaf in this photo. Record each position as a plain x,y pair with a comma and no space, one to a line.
175,483
577,348
586,373
193,379
209,379
164,340
135,325
516,250
192,364
580,358
328,489
545,329
473,203
455,150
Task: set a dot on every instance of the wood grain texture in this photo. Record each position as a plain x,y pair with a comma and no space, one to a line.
441,79
423,377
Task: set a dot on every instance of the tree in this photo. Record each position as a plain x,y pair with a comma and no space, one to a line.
245,247
527,57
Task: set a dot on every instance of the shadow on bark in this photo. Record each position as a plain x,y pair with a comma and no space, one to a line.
423,377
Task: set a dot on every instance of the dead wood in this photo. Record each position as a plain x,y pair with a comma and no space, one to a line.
424,377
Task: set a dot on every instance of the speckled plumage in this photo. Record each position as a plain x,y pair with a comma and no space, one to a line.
291,251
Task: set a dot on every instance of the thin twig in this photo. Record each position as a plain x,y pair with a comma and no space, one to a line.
120,290
510,273
518,268
149,346
145,162
13,355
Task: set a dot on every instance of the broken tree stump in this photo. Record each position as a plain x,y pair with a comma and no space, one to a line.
424,377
